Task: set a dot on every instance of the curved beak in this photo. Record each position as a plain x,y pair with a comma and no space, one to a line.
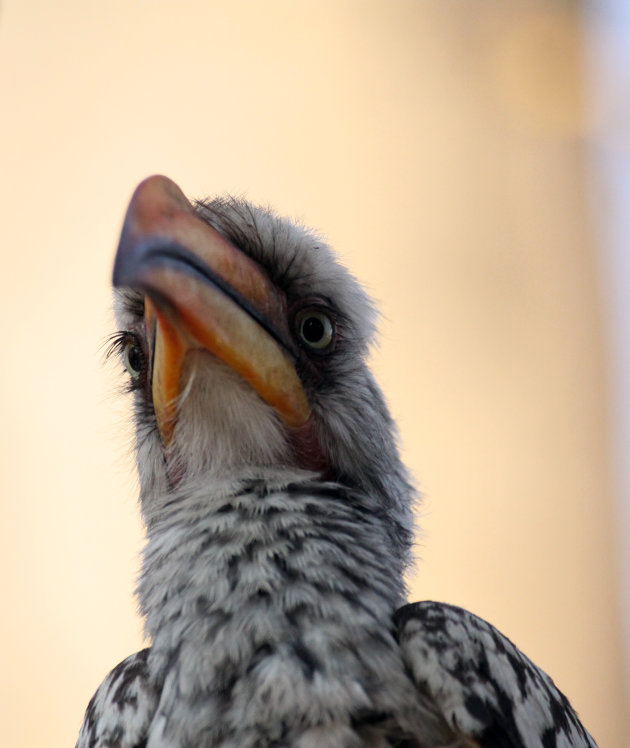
202,292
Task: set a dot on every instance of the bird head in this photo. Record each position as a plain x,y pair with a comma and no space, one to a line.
245,341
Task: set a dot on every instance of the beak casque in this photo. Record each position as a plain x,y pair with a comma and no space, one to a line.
202,292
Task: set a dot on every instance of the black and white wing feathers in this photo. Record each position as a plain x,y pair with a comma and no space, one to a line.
485,687
121,710
279,514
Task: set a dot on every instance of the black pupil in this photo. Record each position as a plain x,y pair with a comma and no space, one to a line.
313,329
134,357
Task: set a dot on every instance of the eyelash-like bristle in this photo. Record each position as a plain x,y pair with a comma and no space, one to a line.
115,346
115,343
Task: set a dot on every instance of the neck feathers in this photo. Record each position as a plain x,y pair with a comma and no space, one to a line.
279,594
288,544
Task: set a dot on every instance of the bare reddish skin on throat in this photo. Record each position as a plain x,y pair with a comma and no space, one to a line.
307,449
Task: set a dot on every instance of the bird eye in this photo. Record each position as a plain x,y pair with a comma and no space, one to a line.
315,328
133,357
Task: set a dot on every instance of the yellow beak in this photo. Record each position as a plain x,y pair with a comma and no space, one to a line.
203,292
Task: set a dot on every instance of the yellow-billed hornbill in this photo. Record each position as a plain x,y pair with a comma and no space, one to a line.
279,514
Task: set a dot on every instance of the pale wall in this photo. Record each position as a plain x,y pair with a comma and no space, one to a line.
440,147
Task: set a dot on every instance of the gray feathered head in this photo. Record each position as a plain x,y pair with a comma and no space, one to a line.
246,343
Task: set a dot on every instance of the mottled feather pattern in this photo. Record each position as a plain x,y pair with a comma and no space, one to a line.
485,686
270,592
120,712
278,619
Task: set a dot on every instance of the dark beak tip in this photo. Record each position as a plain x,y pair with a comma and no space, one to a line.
134,257
155,203
128,260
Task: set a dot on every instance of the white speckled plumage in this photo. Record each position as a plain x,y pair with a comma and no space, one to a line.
270,591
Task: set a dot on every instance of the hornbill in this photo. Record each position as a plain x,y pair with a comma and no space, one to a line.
279,515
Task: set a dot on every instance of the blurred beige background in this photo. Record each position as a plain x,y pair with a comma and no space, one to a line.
440,146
